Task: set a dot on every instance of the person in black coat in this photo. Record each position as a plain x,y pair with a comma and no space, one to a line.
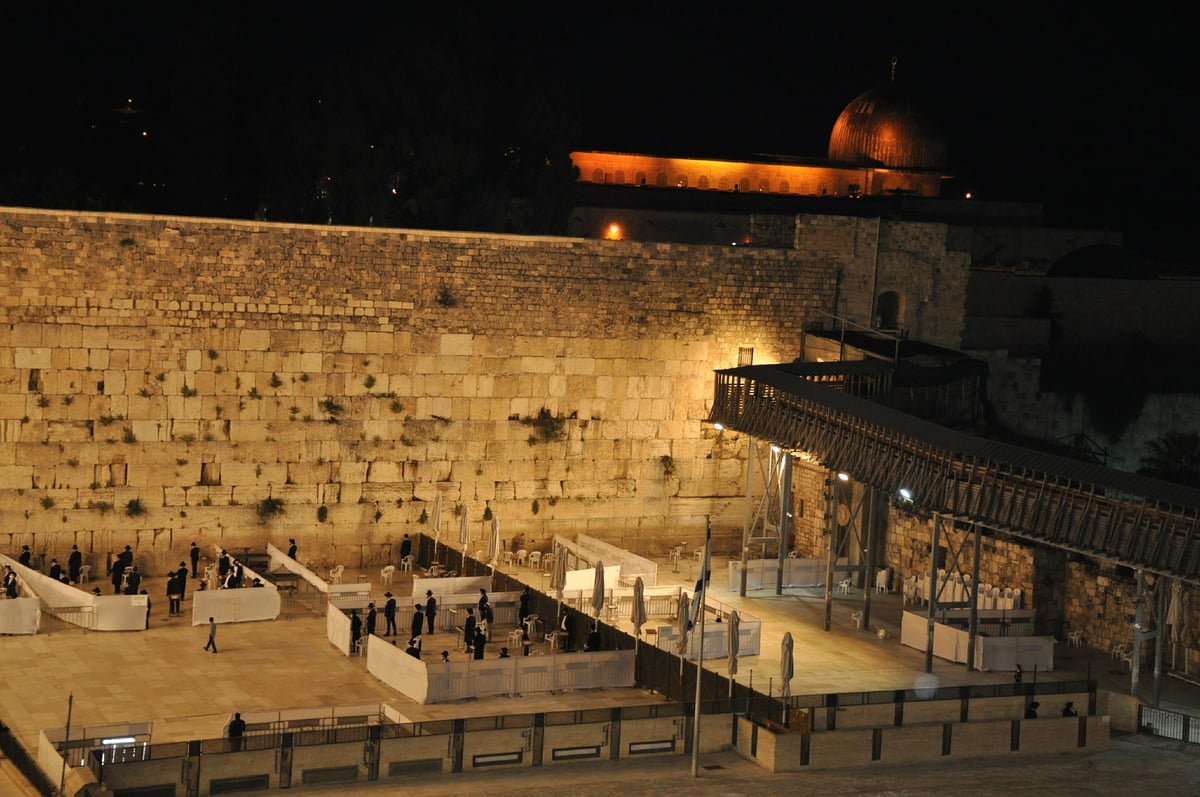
55,570
523,607
173,594
418,621
405,547
469,628
74,564
194,553
371,615
133,581
430,609
478,644
26,556
566,626
355,629
118,575
181,573
389,614
292,548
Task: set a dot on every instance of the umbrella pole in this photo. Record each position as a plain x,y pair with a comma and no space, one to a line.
700,653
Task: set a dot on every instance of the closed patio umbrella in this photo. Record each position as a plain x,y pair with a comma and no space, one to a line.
436,519
464,529
637,614
682,622
786,666
598,590
494,542
559,578
733,631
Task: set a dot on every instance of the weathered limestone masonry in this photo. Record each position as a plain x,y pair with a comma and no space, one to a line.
160,378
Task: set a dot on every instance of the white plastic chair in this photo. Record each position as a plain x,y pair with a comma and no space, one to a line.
84,571
335,575
385,575
521,555
535,558
844,586
406,564
881,581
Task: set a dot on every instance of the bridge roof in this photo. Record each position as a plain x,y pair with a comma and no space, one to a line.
1076,505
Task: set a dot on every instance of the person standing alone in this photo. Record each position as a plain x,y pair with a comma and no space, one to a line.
430,609
212,636
389,614
237,729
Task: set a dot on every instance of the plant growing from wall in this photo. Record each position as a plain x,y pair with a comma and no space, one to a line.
128,436
268,508
322,513
134,508
331,409
369,382
276,382
535,507
546,425
47,502
188,392
445,297
668,465
424,518
487,513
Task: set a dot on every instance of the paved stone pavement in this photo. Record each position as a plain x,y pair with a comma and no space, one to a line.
165,676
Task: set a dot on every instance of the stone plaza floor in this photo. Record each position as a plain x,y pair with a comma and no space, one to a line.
165,676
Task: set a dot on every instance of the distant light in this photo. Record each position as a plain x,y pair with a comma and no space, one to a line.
119,740
906,493
718,426
613,233
145,133
967,195
844,477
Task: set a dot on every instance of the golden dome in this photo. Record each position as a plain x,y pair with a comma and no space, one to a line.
883,128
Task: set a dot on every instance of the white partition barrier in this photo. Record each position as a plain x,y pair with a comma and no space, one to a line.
349,596
20,615
436,681
280,561
991,652
455,585
762,573
631,565
337,629
585,580
535,674
244,604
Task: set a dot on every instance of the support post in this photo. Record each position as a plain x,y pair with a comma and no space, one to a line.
933,591
747,530
973,628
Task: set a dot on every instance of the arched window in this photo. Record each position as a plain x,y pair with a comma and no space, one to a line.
660,179
723,183
681,181
597,175
620,178
784,188
640,178
702,182
764,186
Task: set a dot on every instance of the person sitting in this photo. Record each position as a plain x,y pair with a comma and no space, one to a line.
414,648
445,655
1031,712
503,653
1069,709
593,641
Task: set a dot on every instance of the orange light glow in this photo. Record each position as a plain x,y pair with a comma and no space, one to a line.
613,233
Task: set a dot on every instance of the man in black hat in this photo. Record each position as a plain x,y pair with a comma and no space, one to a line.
389,614
26,555
430,609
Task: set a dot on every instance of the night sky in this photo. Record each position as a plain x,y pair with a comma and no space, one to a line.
1083,111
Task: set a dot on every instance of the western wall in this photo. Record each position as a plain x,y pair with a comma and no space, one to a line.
164,380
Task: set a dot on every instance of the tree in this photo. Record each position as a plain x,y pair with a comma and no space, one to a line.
1175,456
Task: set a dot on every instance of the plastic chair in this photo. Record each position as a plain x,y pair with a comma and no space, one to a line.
406,564
548,562
535,558
385,575
844,586
881,581
335,575
521,555
84,571
508,557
